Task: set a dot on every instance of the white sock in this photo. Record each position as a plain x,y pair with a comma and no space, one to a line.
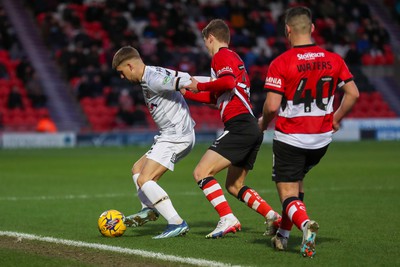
303,225
270,214
161,202
229,216
284,233
144,201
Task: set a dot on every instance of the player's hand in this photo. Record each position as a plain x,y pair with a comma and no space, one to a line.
183,91
261,124
192,86
335,126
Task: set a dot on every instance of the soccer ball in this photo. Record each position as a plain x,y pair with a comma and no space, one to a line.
111,223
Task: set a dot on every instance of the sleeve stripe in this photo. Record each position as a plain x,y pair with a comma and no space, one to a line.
273,91
340,84
177,83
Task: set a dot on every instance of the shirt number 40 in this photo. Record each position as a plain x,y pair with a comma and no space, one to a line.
304,95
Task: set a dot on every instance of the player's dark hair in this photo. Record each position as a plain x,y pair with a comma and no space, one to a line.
299,18
124,53
219,29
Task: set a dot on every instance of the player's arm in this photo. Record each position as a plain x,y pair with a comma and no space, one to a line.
350,97
224,83
272,104
202,97
168,80
274,95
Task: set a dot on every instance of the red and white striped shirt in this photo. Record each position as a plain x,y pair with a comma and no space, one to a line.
307,77
229,88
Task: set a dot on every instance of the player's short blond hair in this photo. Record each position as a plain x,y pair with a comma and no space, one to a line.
219,29
299,19
124,53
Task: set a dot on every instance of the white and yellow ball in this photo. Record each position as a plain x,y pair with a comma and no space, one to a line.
111,223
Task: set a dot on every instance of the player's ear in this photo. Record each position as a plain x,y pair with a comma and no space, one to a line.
312,27
130,66
287,30
211,38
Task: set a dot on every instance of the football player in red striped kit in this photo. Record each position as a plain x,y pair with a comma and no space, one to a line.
300,86
237,148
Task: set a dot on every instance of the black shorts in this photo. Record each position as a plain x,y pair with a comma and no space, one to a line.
290,163
240,141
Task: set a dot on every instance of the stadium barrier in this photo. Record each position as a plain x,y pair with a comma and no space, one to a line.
38,140
351,130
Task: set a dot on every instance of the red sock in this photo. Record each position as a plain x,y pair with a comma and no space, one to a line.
296,211
254,201
215,195
286,223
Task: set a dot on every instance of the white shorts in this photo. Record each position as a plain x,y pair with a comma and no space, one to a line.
167,151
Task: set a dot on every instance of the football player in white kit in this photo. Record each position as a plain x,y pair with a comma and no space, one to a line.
161,90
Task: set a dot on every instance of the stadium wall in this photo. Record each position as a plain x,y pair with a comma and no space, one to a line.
351,130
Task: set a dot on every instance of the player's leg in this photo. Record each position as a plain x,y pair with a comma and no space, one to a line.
248,147
162,157
210,164
310,229
147,212
285,225
297,213
291,164
237,188
137,167
160,199
287,171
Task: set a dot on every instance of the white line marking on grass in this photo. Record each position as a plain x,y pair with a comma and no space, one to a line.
67,197
137,252
190,193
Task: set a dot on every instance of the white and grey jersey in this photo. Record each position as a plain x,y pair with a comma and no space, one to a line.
166,104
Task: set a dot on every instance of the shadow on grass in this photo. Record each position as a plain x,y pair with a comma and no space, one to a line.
197,228
294,242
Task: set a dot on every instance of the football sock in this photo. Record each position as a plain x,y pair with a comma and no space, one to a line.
254,201
213,192
283,233
286,223
296,211
161,202
142,197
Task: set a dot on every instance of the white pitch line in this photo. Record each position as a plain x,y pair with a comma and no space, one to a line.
137,252
66,197
188,193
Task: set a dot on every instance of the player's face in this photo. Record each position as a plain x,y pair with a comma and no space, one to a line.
125,72
207,43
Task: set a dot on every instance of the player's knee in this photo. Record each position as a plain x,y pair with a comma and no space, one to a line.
232,189
135,169
198,174
142,180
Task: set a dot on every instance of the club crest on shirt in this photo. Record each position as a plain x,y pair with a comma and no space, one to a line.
167,79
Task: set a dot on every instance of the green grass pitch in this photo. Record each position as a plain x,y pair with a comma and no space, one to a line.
354,194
